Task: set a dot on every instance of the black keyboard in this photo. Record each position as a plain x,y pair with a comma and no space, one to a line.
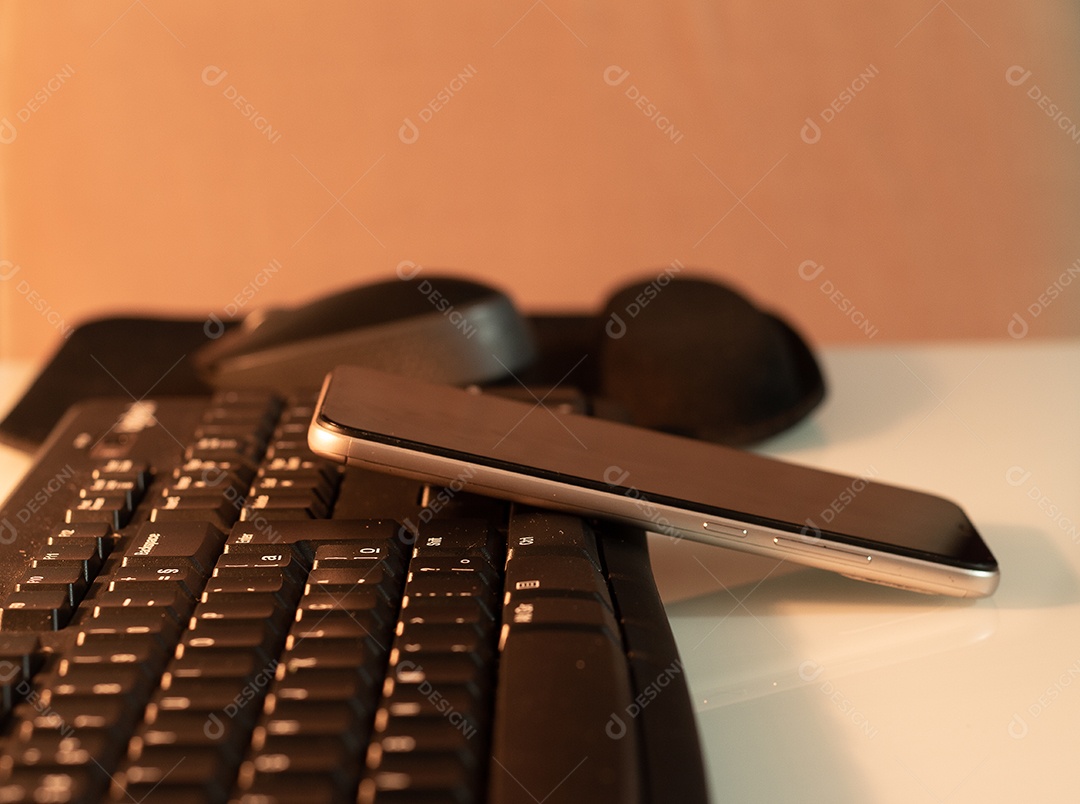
195,607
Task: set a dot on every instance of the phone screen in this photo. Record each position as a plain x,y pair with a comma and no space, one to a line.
664,469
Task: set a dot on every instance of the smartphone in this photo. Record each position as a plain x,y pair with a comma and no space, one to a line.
462,439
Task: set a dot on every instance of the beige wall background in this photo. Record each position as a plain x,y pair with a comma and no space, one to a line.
898,171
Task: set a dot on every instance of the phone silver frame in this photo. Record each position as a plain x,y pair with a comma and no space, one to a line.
875,566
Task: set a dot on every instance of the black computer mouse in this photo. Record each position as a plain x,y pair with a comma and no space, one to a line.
438,328
695,357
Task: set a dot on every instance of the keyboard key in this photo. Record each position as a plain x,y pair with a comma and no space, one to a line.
188,727
307,717
192,772
146,650
309,534
111,713
165,573
221,510
339,624
458,539
322,754
113,511
124,470
171,597
65,746
437,669
547,534
82,553
561,575
54,784
352,685
198,542
36,610
421,777
100,533
549,678
71,678
67,577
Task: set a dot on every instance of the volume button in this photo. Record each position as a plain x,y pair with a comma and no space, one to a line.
823,550
718,529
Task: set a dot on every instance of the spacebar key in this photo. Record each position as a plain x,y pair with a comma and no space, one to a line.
560,712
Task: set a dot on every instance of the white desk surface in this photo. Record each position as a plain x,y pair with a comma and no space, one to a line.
811,687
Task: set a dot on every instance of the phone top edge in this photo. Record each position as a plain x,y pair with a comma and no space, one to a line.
872,565
344,443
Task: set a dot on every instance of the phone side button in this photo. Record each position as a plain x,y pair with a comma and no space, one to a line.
823,550
724,530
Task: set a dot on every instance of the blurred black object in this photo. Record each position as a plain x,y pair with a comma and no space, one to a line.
689,356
